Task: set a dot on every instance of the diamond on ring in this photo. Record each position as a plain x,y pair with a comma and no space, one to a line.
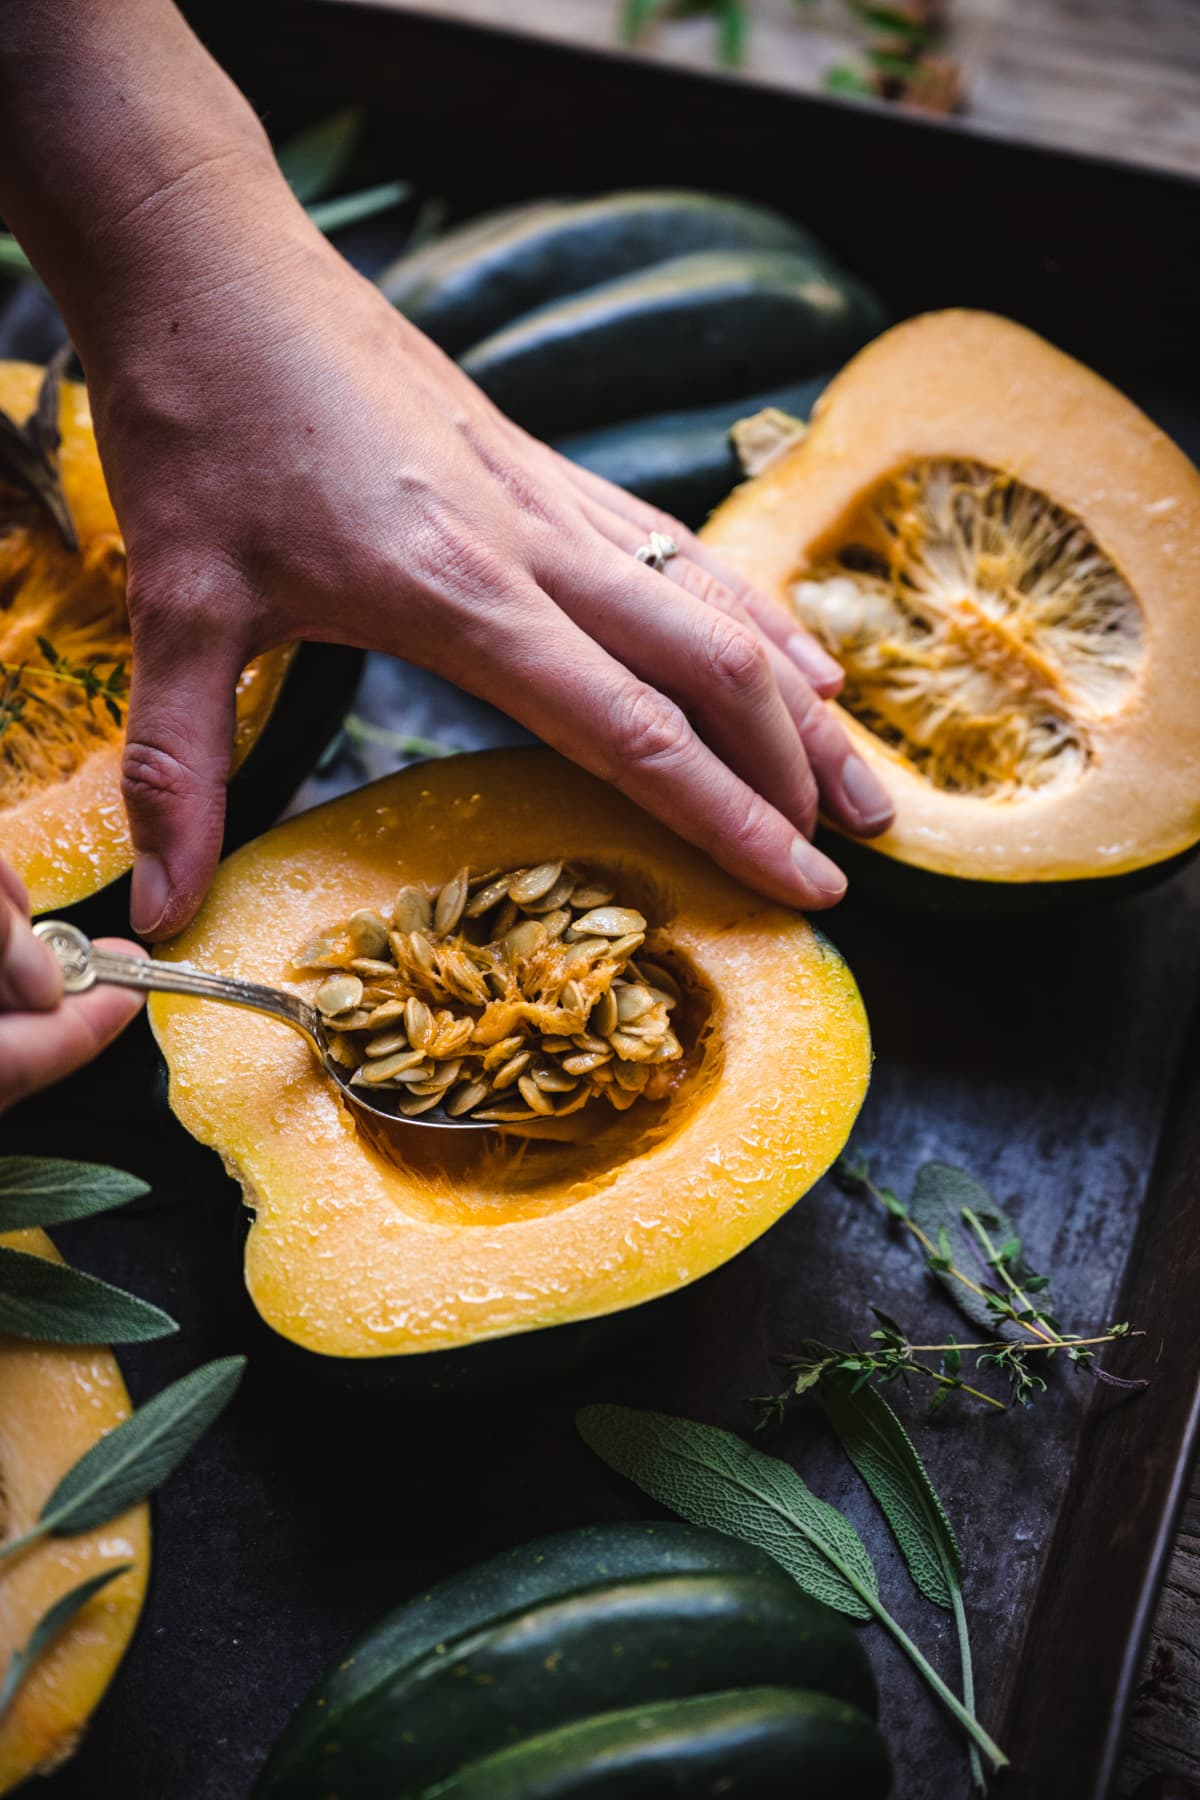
658,552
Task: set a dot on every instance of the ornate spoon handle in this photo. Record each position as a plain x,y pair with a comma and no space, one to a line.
83,965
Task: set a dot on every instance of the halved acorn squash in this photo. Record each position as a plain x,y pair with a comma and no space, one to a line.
64,667
1004,554
56,1401
370,1245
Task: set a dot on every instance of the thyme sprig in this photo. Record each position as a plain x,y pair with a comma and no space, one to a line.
108,687
1009,1303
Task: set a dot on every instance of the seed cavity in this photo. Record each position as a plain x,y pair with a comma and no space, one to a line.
983,631
508,997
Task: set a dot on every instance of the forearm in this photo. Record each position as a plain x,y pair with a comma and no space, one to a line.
126,154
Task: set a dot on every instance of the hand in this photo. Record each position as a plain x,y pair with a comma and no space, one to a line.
289,459
42,1035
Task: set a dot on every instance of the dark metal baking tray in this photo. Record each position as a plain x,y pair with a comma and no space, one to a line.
1058,1059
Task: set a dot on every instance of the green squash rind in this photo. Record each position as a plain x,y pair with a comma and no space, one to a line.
683,462
699,328
492,270
343,1738
750,1744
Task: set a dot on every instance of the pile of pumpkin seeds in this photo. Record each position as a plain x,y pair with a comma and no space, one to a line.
508,997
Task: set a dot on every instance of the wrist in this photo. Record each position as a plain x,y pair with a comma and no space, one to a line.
130,166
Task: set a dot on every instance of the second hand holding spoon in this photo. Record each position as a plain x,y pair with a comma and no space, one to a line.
83,965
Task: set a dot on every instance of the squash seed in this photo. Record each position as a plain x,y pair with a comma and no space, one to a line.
418,1022
585,1061
411,911
516,1065
450,902
471,1093
632,1001
368,933
609,922
533,1096
591,895
531,884
487,897
387,1043
605,1014
390,1068
338,994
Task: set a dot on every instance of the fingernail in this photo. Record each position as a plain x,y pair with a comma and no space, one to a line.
822,669
817,870
34,978
864,794
151,891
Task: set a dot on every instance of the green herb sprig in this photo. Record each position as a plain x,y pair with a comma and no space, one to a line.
100,685
712,1478
974,1252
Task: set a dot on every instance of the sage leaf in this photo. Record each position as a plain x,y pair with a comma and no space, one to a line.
61,1305
349,209
48,1190
312,162
712,1478
136,1457
52,1621
940,1193
886,1458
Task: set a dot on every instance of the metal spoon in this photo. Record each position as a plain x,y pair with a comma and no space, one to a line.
83,965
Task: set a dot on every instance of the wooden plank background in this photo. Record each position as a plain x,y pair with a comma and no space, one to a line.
1120,77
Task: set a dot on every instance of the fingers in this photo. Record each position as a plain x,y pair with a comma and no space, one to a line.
555,678
820,669
38,1048
788,746
716,668
29,975
178,751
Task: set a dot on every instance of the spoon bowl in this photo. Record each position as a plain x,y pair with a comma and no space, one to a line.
84,965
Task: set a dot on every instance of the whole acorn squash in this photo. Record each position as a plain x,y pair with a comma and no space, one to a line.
64,678
636,328
1004,554
363,1247
56,1401
623,1662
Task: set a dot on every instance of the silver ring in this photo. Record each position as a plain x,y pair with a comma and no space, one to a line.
658,552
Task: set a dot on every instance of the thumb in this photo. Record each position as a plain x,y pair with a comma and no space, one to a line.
178,752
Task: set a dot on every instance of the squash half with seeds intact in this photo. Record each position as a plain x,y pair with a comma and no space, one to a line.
1004,554
65,660
370,1245
56,1401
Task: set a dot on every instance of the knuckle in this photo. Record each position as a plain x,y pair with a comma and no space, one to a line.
649,729
757,828
152,774
736,658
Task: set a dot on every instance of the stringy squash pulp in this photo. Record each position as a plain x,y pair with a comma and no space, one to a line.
368,1245
62,822
56,1401
1004,555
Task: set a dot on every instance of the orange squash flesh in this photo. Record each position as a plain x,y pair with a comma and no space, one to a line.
366,1249
56,1401
971,391
62,822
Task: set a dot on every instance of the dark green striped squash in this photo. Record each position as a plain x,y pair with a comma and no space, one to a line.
627,1660
636,328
